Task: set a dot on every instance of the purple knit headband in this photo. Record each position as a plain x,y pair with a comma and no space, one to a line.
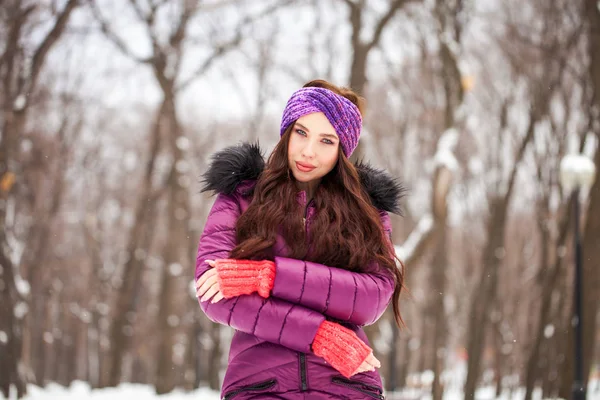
341,113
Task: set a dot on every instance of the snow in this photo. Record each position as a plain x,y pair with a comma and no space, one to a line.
419,389
577,170
182,166
183,143
20,310
22,286
445,150
130,161
175,269
405,251
81,390
19,103
548,331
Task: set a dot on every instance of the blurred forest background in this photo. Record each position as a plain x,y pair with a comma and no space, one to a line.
111,109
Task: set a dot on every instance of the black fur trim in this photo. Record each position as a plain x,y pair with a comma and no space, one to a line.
235,164
231,166
384,190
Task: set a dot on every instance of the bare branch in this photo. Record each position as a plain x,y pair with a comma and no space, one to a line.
217,52
113,37
138,10
178,34
381,24
14,33
59,26
350,3
230,45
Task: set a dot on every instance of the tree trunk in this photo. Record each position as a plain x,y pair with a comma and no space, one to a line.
14,119
33,267
140,237
485,292
392,380
487,284
360,52
214,360
10,346
174,285
548,281
591,240
438,287
591,272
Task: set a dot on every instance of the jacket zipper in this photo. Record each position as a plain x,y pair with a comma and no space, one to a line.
303,383
255,387
359,387
302,356
305,219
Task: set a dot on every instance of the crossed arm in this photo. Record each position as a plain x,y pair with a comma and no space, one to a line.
303,293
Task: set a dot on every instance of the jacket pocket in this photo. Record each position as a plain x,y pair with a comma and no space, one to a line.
255,387
372,391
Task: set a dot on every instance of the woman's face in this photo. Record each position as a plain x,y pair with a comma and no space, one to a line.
313,148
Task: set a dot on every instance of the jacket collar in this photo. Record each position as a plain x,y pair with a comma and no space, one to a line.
237,168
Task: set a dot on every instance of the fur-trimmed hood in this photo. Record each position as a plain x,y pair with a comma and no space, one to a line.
245,162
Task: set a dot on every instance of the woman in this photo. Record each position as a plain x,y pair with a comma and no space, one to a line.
296,255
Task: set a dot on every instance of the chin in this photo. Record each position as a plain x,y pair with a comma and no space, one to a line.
303,179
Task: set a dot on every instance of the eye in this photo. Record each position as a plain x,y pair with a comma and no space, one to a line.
300,132
327,141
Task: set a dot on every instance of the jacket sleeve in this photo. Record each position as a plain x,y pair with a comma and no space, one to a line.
359,298
274,320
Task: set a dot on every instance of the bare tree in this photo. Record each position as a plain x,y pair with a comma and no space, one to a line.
540,91
19,76
360,49
451,25
165,61
550,262
591,297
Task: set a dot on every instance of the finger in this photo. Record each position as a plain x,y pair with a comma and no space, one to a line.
373,361
202,291
212,280
210,262
211,272
368,367
218,297
210,293
204,277
362,369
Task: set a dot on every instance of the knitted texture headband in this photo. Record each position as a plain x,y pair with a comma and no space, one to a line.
341,113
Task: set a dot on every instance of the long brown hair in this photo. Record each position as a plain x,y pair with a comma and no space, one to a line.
345,218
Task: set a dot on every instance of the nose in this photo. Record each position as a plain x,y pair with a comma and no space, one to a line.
309,149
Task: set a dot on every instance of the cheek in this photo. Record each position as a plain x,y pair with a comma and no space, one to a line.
291,150
330,160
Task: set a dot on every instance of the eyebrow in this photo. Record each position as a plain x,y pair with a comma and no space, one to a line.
329,135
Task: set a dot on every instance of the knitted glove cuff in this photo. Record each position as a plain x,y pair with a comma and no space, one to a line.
237,277
340,347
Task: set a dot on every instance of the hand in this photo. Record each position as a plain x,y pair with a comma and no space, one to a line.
207,285
343,349
368,365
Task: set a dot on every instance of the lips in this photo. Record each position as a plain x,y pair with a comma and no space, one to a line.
304,167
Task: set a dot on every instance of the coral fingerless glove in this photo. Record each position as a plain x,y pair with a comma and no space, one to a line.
237,277
340,347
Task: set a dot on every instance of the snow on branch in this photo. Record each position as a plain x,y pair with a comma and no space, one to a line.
422,236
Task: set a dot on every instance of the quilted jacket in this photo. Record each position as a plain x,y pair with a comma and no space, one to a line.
270,352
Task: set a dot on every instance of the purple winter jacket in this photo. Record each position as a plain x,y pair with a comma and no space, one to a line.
270,354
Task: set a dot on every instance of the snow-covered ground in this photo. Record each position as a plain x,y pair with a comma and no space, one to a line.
127,391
